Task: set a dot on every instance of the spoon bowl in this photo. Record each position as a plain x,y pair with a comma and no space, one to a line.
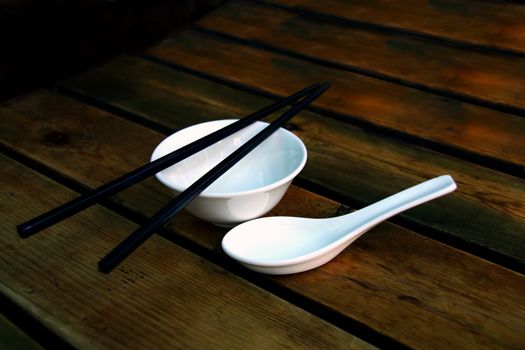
285,245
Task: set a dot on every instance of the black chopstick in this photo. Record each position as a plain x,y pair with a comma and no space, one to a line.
133,241
74,206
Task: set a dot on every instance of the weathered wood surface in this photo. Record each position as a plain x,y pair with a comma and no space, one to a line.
413,97
368,165
480,76
458,127
445,297
161,297
489,24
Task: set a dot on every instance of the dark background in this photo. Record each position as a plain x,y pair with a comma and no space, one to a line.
43,41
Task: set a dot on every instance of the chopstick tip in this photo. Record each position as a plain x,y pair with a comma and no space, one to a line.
25,230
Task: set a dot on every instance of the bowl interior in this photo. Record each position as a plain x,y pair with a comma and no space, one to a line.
277,160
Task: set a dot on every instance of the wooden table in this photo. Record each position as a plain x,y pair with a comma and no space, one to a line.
420,89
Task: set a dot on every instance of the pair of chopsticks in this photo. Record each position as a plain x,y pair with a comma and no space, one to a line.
119,253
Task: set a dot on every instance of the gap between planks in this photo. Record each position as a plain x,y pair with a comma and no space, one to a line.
391,28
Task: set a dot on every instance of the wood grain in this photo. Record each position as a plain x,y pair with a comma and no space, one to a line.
489,24
369,166
161,297
458,127
417,291
483,77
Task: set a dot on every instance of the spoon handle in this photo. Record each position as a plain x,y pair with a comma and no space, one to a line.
368,217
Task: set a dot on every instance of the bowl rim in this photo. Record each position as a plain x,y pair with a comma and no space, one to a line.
266,188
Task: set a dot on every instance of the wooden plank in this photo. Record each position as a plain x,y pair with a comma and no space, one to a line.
161,297
460,128
13,338
419,292
368,166
482,77
489,24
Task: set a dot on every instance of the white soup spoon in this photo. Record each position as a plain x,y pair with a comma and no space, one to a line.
283,245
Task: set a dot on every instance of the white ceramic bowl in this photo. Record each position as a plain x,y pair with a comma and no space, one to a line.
250,188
